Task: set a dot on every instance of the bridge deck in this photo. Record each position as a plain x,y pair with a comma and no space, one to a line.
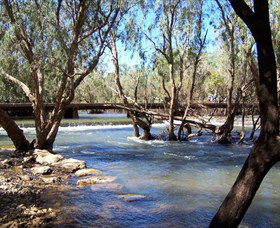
103,106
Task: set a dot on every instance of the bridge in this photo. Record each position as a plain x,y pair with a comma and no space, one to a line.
72,109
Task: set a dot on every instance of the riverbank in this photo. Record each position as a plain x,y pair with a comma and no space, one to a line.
34,188
87,120
78,122
26,202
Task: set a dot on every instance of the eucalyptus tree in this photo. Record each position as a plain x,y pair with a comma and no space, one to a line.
117,34
229,27
198,43
170,36
266,151
58,42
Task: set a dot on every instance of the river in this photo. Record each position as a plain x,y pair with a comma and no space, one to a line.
184,183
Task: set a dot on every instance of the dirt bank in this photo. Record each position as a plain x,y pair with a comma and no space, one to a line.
29,200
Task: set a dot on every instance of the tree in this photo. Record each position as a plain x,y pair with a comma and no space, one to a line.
68,43
117,34
266,150
171,37
230,23
196,53
14,132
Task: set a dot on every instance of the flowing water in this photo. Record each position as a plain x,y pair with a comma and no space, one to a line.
184,183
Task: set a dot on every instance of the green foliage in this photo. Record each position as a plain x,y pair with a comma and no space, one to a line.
96,89
141,30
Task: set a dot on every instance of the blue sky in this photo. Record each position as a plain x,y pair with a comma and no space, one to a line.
131,58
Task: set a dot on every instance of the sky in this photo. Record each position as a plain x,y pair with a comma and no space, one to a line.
132,58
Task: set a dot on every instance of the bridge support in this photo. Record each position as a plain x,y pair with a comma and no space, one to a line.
71,113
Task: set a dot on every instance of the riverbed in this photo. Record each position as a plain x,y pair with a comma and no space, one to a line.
183,183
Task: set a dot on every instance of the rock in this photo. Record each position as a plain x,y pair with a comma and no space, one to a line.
42,170
131,197
29,159
7,163
108,187
95,180
50,180
45,157
37,222
18,169
86,172
25,178
71,165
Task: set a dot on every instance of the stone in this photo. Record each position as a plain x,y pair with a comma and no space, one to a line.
131,197
50,180
18,169
86,172
7,163
108,187
41,170
25,178
29,159
95,180
45,157
70,165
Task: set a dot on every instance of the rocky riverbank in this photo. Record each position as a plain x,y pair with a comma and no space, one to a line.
33,188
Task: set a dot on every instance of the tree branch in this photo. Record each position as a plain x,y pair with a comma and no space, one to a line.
18,83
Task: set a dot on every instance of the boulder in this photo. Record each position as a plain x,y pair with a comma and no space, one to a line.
95,180
41,170
131,197
86,172
25,178
70,165
50,180
29,159
45,157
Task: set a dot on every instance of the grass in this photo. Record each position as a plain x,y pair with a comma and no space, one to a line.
76,122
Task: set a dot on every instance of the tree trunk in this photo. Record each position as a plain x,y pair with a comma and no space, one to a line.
14,132
190,97
254,128
172,136
266,151
115,58
146,135
247,183
135,129
243,131
223,132
47,136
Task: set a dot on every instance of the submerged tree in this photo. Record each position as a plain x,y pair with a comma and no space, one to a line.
266,151
115,35
178,23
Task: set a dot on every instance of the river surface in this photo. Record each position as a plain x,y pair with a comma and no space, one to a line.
184,183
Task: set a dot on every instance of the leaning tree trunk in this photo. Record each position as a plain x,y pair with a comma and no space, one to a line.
247,183
266,151
223,132
254,128
14,132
